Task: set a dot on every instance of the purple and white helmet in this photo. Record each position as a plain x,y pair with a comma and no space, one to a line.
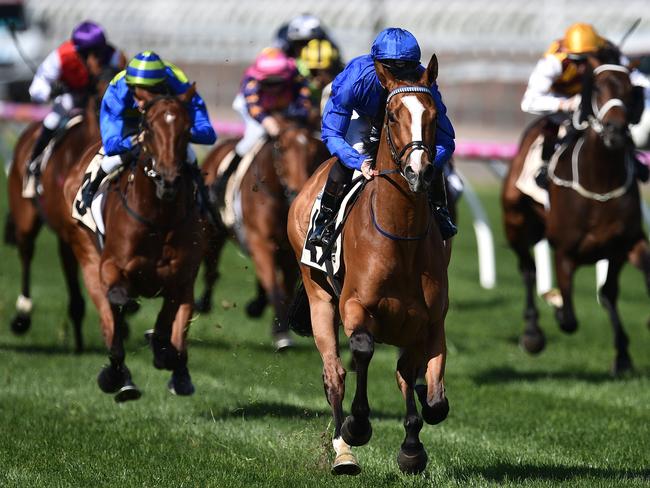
88,36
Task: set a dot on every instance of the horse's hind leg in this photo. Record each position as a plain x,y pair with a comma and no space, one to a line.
412,457
356,429
27,228
639,256
76,304
211,271
256,306
609,298
564,270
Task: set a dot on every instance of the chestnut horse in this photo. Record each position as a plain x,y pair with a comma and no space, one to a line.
395,287
277,173
28,215
153,244
595,210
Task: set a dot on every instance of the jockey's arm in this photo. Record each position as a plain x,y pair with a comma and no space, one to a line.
251,92
538,98
445,133
46,75
202,131
336,120
111,123
301,105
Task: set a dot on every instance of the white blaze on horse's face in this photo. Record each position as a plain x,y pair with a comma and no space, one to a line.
169,117
416,109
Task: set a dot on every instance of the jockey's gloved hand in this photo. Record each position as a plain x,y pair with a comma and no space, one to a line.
570,104
271,126
130,156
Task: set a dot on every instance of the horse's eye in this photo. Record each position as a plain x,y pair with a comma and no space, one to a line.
391,116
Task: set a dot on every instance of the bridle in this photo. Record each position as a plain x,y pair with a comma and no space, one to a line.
595,119
400,156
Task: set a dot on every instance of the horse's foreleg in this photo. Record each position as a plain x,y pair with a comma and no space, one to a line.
26,233
76,304
263,251
211,272
435,405
114,377
180,382
412,457
532,340
609,298
564,270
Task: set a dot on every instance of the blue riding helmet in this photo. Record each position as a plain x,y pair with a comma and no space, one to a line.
395,43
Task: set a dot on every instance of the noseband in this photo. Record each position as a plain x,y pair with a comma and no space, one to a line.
400,156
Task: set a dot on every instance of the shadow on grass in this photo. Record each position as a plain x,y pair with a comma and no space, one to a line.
50,350
503,472
507,375
265,409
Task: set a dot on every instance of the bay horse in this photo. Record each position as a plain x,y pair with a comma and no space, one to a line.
27,215
595,210
395,289
153,243
279,170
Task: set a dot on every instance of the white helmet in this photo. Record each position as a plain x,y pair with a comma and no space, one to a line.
304,28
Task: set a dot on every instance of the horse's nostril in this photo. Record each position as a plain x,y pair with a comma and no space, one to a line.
410,174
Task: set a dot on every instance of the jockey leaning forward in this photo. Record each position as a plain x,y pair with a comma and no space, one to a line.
120,116
270,85
64,76
356,109
555,85
323,62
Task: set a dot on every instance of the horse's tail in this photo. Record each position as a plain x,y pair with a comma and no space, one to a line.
299,316
10,230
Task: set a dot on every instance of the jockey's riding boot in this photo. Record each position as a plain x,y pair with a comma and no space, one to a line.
219,187
550,132
541,178
438,202
34,165
322,233
89,191
205,204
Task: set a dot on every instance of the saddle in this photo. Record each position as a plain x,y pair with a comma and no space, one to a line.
31,185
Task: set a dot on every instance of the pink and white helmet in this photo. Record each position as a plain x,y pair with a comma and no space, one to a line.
272,64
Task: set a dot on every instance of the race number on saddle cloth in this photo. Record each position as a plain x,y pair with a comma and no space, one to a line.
120,116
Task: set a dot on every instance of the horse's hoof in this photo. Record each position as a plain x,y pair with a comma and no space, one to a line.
568,326
435,414
282,342
128,392
181,383
346,463
255,308
532,343
412,462
203,305
131,307
148,336
110,379
21,324
622,365
356,433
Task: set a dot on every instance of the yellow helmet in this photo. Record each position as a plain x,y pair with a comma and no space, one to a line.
319,54
582,39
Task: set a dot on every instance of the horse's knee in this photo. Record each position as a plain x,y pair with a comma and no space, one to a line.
362,345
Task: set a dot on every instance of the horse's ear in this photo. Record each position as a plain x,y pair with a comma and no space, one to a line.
189,94
430,74
386,78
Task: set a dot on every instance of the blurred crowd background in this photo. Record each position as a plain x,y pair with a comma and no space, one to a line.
486,49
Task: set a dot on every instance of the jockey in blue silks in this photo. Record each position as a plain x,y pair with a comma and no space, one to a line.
356,108
120,114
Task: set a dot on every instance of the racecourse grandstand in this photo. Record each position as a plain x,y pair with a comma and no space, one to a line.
484,47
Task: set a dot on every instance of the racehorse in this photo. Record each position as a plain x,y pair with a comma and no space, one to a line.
278,171
395,287
27,215
594,209
152,247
